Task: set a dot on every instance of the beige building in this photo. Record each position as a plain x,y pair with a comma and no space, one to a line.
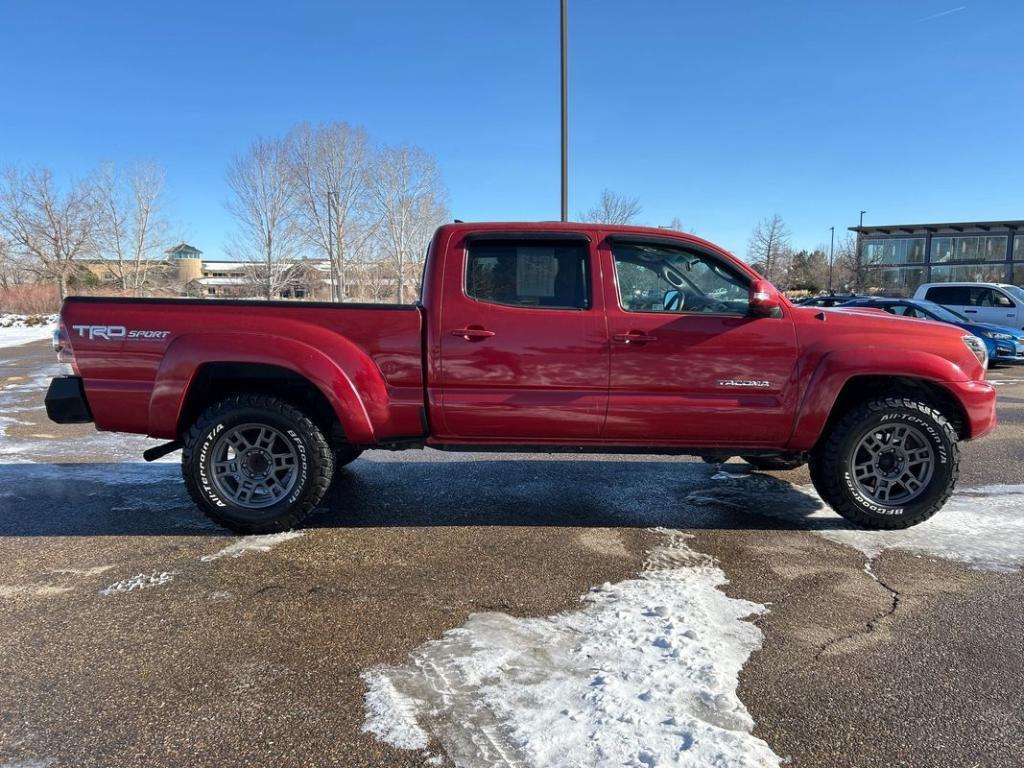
184,272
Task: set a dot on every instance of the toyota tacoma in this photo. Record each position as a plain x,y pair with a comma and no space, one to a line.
540,337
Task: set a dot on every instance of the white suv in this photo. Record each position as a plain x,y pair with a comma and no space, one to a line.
996,303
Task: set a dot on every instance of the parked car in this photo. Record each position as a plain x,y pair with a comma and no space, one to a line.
527,337
831,300
1005,345
996,303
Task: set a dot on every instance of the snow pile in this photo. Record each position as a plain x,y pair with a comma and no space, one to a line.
644,674
21,329
139,581
981,527
262,543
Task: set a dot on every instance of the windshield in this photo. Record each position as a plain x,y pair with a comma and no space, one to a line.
939,312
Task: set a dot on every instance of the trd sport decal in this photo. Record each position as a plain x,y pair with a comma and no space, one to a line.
116,333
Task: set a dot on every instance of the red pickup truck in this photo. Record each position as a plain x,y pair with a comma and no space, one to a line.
546,337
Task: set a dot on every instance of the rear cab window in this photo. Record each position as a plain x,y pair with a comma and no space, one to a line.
547,274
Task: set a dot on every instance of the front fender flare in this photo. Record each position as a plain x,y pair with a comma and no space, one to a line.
835,369
335,367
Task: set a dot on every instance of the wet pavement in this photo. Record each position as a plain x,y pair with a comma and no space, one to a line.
133,632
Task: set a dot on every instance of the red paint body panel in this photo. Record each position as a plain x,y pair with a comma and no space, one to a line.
542,377
366,362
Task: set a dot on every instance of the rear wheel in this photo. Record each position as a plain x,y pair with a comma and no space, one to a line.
888,463
256,464
775,463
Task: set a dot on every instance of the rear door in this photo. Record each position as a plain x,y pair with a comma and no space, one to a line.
688,364
955,297
524,349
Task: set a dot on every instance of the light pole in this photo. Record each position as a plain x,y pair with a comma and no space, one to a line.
860,240
565,116
831,251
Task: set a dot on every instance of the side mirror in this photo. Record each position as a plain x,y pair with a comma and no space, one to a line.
764,300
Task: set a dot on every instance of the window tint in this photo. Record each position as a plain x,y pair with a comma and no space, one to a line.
529,274
987,297
949,294
656,278
1000,299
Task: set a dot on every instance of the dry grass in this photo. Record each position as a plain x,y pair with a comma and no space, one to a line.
43,299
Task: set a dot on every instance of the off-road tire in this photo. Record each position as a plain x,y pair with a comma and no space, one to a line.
774,463
315,463
833,481
346,454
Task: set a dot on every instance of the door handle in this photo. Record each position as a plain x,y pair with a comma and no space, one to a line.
970,311
473,334
633,337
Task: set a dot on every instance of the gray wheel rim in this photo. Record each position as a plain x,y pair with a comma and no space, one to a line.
254,466
892,464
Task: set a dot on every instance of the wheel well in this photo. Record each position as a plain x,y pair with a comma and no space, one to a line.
215,381
861,388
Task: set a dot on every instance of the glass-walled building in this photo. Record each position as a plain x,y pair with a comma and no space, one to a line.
895,259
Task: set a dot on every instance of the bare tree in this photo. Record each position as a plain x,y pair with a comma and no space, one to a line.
768,247
10,269
329,165
265,206
409,202
848,273
613,208
50,229
130,225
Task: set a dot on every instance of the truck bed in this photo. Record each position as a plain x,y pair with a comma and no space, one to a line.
137,357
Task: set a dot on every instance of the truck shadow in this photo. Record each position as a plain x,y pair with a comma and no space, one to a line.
135,499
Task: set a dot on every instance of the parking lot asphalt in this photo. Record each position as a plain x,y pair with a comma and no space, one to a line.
133,632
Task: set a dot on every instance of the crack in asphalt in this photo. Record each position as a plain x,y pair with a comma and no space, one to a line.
872,625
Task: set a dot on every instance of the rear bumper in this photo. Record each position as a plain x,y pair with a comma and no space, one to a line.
65,401
978,399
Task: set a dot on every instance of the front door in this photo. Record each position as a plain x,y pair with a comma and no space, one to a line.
688,364
524,351
990,305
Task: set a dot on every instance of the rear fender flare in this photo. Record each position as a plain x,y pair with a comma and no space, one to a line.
837,368
335,366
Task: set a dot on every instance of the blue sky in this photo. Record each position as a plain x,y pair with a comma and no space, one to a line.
718,113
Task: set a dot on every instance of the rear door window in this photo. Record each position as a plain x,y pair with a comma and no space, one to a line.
956,295
547,275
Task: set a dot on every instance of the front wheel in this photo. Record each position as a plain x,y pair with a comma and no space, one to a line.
256,464
888,463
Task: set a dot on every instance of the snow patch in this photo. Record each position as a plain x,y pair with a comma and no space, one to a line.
139,581
22,329
723,475
390,715
261,543
980,527
645,673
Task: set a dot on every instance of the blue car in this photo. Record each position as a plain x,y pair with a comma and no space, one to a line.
1005,345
